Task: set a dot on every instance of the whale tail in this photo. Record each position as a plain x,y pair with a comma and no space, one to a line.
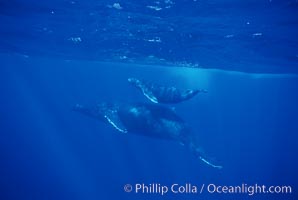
191,93
201,155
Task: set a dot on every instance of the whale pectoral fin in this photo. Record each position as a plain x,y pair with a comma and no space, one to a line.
145,87
149,94
113,119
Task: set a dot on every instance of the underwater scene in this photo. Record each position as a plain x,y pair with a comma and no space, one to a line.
148,99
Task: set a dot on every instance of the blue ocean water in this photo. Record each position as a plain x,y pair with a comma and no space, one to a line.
55,54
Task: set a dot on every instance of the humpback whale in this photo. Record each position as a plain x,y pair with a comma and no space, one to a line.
162,94
151,120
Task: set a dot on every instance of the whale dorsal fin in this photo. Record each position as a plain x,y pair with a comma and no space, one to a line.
113,119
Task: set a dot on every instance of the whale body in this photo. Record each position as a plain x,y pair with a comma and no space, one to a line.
151,120
162,94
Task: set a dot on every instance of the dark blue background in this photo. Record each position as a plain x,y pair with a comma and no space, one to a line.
248,122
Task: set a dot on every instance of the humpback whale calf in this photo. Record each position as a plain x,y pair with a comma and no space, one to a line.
162,94
152,120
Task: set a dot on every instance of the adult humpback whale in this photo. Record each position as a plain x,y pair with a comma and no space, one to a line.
150,120
162,94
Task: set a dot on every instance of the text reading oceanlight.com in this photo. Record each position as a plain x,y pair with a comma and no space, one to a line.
188,188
